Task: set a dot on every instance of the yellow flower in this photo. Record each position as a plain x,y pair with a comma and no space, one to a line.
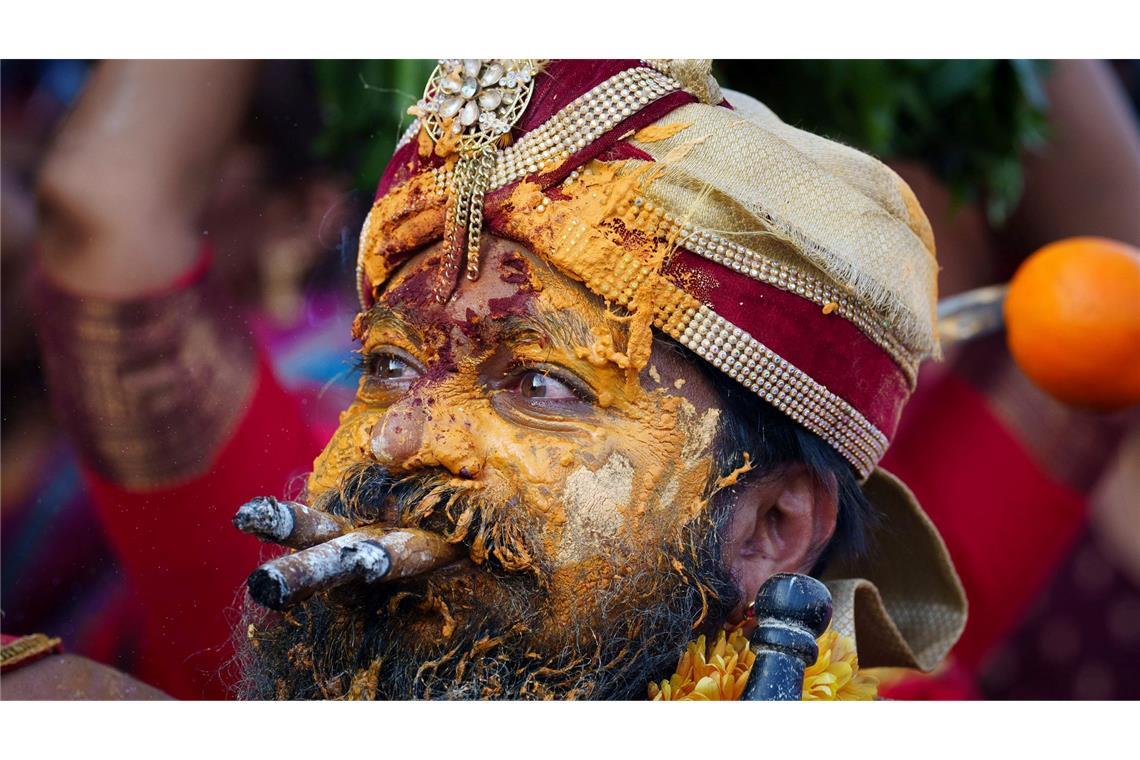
720,671
835,674
716,672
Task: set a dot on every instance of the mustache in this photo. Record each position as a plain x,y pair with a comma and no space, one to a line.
324,650
361,645
497,533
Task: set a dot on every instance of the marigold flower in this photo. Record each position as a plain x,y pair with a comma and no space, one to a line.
713,673
835,674
720,671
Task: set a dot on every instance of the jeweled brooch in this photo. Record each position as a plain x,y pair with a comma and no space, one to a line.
473,102
478,100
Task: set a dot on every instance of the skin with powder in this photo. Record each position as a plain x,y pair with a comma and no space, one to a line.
516,389
506,420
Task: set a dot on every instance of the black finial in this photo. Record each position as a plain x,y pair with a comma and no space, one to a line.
792,611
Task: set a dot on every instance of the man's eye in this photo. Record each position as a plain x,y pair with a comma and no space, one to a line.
534,384
391,368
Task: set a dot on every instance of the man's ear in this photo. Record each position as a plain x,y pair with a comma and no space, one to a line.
779,524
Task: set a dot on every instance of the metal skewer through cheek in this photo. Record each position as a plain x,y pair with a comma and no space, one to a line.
331,553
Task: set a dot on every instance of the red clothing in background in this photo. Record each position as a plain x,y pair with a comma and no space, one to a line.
185,563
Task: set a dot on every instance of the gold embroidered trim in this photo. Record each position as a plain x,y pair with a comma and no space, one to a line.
778,274
736,353
26,648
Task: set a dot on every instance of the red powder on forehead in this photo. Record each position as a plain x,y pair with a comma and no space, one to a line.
445,361
515,278
469,325
516,270
417,290
513,260
517,305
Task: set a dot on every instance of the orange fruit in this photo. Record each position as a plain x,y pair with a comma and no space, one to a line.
1072,318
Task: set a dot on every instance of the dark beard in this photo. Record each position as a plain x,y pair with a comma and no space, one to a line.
374,643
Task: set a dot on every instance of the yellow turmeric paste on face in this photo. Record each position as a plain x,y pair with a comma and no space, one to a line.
407,218
647,455
593,233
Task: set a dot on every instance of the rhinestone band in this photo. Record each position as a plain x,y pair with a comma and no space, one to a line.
582,121
409,134
654,219
576,126
363,297
794,280
443,178
733,351
783,385
579,123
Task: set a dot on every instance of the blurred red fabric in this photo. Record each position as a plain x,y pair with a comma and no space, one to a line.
185,563
1006,522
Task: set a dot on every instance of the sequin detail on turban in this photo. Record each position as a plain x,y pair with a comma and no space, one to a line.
801,268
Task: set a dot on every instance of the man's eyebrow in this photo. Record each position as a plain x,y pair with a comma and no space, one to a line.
566,329
382,315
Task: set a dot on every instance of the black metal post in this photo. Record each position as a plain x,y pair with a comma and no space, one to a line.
792,611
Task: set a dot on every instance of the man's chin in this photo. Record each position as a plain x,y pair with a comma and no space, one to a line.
464,632
452,633
437,609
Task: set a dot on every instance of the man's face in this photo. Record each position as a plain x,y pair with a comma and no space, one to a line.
508,419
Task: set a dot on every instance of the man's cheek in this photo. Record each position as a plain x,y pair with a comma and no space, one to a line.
677,476
616,483
526,472
595,503
348,446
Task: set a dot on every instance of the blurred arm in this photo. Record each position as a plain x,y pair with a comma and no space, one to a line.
70,677
1086,180
151,368
130,172
149,365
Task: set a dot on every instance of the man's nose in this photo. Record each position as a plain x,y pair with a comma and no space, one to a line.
411,435
399,434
